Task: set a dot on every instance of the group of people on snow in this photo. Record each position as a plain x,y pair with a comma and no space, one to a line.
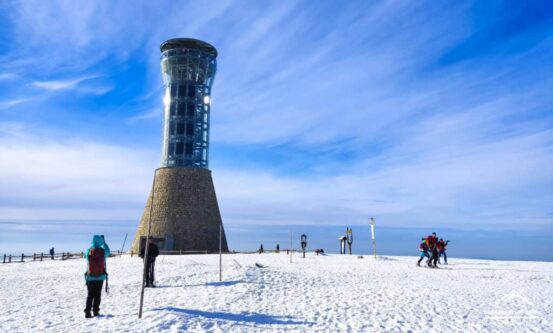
96,272
432,248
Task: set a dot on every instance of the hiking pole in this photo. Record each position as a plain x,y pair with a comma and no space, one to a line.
122,247
146,247
220,253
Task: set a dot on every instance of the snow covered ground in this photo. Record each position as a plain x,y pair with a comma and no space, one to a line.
318,294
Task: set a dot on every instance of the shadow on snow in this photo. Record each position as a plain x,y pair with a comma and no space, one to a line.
248,317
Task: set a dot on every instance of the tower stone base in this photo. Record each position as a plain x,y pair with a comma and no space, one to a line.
185,214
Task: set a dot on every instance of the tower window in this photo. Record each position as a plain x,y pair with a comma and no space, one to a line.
189,148
191,109
179,148
180,128
191,91
181,89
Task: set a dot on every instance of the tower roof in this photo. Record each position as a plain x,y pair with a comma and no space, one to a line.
188,43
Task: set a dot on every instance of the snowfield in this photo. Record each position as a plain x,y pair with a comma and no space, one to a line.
334,293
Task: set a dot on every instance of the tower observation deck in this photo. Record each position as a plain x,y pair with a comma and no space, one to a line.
188,67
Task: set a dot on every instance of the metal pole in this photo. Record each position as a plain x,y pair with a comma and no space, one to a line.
122,247
146,247
290,245
372,236
220,252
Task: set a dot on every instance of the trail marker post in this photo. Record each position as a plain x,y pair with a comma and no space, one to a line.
372,236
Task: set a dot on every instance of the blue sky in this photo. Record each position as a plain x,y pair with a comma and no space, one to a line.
422,114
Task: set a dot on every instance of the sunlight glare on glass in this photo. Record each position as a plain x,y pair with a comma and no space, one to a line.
167,98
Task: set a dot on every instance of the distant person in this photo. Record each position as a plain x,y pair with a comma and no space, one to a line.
52,253
431,243
423,248
441,247
153,252
95,273
278,248
261,249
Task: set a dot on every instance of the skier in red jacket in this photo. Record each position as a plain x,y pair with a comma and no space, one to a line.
431,243
441,247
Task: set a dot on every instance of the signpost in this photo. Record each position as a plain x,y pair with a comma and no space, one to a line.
372,236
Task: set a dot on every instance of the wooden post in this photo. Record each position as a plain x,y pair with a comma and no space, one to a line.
4,259
123,247
41,256
220,253
22,256
82,254
10,258
290,245
34,256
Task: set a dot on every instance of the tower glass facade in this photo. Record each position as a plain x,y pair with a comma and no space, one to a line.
188,67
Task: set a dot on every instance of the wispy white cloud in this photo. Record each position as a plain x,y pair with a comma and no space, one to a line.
71,84
5,104
155,112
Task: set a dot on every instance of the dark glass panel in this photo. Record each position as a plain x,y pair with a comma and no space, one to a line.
182,90
189,149
172,109
191,109
191,91
179,148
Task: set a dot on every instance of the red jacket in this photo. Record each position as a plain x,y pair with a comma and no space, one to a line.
431,241
440,245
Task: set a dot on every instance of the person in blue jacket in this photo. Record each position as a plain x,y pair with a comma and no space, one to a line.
95,273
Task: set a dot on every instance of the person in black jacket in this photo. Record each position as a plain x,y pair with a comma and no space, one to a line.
153,252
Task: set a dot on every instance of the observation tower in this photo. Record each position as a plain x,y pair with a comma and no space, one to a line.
183,207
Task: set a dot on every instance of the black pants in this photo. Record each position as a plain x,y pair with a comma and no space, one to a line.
150,272
434,258
94,296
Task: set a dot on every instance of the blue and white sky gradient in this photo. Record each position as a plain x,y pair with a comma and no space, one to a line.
424,114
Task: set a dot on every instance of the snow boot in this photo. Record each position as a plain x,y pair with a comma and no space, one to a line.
87,314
